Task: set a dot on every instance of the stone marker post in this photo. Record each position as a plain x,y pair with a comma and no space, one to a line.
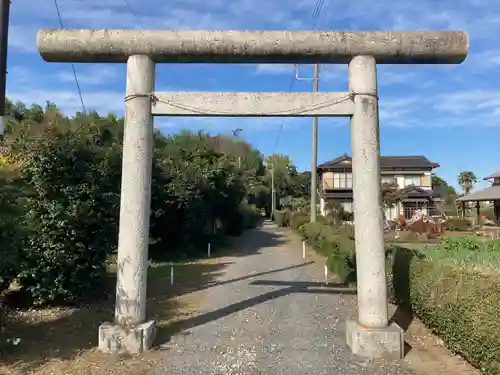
369,335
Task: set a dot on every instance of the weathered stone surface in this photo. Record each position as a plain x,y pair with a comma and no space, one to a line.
250,104
229,46
116,339
385,343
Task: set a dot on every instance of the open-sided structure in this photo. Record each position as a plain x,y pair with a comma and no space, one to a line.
490,194
370,335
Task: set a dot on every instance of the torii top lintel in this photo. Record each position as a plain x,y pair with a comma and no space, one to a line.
228,46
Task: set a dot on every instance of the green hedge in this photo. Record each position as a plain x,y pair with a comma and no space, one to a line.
458,224
453,299
246,217
336,244
460,305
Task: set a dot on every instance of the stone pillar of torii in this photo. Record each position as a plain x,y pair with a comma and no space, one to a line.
370,335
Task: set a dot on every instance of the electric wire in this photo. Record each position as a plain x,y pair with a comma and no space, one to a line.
139,23
312,23
72,65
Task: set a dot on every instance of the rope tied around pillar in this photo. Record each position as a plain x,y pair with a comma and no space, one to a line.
352,95
152,96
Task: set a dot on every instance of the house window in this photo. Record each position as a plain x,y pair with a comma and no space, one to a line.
342,180
412,180
348,180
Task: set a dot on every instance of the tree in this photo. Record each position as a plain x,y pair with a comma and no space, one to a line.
446,191
285,173
302,185
467,180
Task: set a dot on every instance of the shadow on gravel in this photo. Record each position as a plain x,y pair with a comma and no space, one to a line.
289,288
253,241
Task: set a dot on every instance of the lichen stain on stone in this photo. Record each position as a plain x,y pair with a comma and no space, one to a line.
365,105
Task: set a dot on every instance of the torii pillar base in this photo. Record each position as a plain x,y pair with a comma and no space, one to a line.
386,342
118,339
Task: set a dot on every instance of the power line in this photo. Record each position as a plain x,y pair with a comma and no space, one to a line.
139,23
312,23
316,13
72,65
133,12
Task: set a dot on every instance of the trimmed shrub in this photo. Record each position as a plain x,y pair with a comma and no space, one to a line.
442,287
298,218
251,216
245,218
459,304
458,224
337,244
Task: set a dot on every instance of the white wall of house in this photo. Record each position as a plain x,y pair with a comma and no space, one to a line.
392,213
348,206
343,180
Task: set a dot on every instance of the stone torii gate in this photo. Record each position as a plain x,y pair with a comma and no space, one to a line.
370,335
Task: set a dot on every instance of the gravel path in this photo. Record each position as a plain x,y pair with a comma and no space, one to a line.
279,318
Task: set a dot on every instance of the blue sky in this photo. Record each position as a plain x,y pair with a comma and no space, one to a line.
450,113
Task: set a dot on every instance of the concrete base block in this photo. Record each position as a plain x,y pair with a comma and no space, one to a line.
387,343
116,339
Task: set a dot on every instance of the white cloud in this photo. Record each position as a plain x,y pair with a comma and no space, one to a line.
275,68
94,75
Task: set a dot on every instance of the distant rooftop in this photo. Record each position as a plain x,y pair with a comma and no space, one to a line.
489,194
403,161
494,175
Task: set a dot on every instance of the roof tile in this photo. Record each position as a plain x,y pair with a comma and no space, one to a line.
402,161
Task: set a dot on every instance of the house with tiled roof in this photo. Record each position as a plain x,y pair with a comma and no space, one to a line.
412,174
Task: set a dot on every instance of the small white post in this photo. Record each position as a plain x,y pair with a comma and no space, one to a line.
209,249
326,274
304,250
172,275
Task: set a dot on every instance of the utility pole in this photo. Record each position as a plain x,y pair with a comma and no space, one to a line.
314,161
4,37
273,193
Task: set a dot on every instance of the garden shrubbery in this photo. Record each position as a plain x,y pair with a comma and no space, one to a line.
455,298
60,200
454,287
72,210
457,224
335,243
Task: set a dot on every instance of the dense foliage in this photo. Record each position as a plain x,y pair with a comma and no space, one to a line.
60,198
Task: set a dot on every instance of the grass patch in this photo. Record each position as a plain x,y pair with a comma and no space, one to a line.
467,252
